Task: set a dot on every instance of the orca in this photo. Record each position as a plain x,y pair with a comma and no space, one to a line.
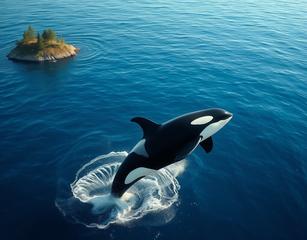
167,143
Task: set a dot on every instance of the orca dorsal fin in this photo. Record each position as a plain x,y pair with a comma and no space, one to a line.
207,144
148,126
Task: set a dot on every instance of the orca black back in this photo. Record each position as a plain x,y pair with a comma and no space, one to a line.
167,143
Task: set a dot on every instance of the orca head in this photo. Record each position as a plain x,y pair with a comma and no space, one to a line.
211,121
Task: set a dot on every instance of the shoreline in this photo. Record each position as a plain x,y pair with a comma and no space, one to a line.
46,55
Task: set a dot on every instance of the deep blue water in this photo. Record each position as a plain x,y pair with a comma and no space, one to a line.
159,59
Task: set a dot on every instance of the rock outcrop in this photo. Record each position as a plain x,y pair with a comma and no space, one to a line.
53,53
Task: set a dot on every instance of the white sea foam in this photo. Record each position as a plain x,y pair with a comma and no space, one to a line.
150,200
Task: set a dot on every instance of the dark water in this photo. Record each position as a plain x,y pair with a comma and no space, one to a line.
159,59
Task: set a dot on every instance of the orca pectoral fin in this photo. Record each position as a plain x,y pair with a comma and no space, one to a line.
207,144
148,126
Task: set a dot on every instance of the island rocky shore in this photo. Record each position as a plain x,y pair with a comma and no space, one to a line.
50,54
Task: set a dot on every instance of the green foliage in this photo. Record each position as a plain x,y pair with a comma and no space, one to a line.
29,35
49,35
40,43
36,43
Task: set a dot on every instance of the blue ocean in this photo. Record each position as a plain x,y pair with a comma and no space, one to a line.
61,121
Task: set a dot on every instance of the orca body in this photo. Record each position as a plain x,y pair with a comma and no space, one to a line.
167,143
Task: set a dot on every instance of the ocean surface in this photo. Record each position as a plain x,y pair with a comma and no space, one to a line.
158,59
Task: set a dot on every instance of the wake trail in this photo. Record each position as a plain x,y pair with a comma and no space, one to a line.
150,200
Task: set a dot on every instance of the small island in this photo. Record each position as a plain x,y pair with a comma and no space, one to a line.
41,47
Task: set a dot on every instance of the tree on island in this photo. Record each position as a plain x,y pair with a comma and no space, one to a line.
33,41
40,42
29,35
49,35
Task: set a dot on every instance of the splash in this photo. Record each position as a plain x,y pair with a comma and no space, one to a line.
150,201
